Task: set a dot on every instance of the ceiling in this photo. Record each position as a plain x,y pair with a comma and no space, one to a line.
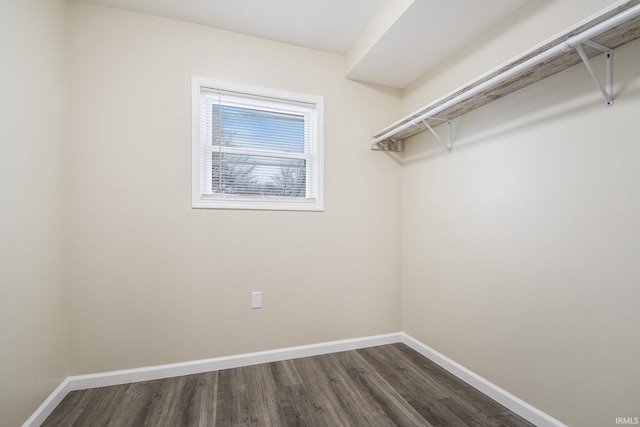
388,42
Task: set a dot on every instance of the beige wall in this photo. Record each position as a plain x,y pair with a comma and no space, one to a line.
33,259
521,248
154,281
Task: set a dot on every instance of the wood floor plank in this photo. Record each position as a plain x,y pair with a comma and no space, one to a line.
207,397
389,385
262,396
163,402
68,410
135,405
287,391
292,374
437,395
93,407
197,409
307,400
247,396
508,418
413,382
190,402
352,407
232,398
390,402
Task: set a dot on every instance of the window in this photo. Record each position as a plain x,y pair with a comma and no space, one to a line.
256,148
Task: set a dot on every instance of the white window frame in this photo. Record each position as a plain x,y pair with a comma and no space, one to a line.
201,174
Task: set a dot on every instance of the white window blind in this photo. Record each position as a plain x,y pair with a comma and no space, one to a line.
257,148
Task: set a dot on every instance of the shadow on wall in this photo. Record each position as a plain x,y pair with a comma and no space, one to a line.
514,117
561,96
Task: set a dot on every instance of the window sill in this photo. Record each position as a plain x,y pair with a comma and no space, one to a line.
313,205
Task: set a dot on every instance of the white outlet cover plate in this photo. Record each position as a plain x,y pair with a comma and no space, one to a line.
256,299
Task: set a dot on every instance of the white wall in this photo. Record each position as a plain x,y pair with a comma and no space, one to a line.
33,254
521,248
154,281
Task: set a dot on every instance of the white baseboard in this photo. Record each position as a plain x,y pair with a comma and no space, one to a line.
48,405
82,382
496,393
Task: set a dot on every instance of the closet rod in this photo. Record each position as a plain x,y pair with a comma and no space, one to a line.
565,46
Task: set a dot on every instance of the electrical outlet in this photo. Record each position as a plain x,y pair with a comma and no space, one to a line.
256,299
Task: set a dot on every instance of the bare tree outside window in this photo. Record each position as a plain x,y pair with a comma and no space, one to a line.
233,177
290,182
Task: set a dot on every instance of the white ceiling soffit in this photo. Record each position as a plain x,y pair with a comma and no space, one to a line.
415,39
388,42
329,25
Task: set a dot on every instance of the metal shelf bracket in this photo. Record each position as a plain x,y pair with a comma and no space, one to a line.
607,88
447,145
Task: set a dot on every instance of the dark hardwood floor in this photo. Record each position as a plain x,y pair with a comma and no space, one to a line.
389,385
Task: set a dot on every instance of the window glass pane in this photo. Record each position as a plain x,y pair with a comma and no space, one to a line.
258,129
258,175
256,148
